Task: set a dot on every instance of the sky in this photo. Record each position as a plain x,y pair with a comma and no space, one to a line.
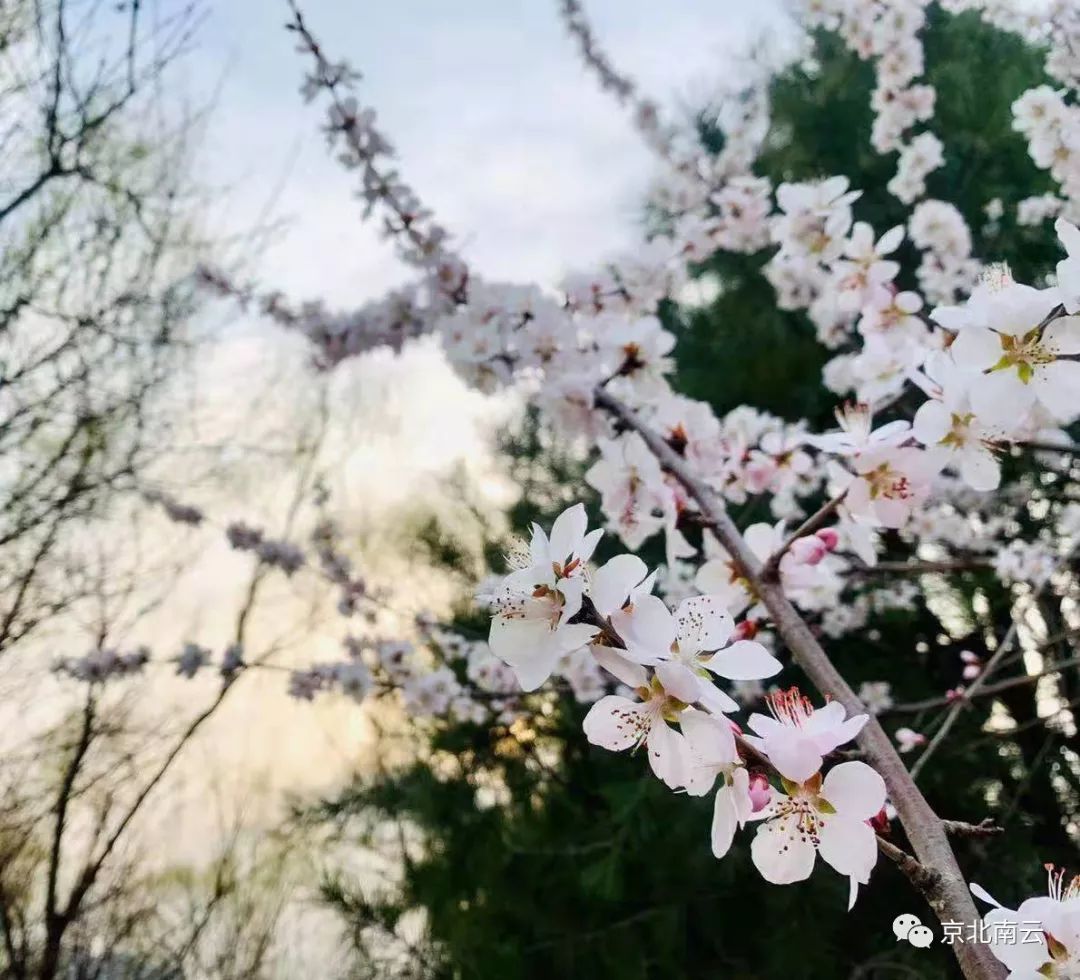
498,126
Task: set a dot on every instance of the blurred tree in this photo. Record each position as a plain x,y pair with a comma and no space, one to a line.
98,239
532,855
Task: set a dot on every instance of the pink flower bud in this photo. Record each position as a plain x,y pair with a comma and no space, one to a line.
809,550
746,630
880,822
907,740
760,792
829,538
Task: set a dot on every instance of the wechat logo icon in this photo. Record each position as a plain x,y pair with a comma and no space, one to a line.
908,927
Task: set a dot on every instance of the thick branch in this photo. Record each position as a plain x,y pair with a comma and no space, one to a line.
55,923
1070,449
949,896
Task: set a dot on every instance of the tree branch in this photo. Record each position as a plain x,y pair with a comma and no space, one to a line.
984,828
948,895
922,567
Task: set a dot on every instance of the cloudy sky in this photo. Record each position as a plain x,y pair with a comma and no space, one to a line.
496,122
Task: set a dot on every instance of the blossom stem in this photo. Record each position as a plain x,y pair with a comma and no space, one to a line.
947,894
591,615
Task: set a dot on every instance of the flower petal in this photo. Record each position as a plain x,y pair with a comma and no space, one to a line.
781,853
1059,389
704,623
850,846
1069,235
630,673
1022,958
793,754
1001,400
567,533
616,723
680,681
980,470
528,646
648,629
725,821
976,347
855,790
669,755
711,739
744,660
1063,335
612,582
718,702
932,423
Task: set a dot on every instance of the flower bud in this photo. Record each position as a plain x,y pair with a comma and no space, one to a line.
809,550
760,792
829,537
746,630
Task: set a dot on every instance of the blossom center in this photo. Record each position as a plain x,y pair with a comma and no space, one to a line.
888,483
790,707
1023,354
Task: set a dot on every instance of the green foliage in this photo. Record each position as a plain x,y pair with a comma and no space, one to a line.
584,865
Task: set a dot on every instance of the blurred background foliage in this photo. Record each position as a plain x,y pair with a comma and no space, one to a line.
538,856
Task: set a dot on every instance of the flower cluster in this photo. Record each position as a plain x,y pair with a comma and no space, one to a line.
553,604
279,554
334,336
888,33
174,509
105,663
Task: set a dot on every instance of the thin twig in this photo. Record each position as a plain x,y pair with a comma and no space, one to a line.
984,828
1069,448
926,880
922,567
987,690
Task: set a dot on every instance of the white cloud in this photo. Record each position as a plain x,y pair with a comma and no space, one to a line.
497,123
